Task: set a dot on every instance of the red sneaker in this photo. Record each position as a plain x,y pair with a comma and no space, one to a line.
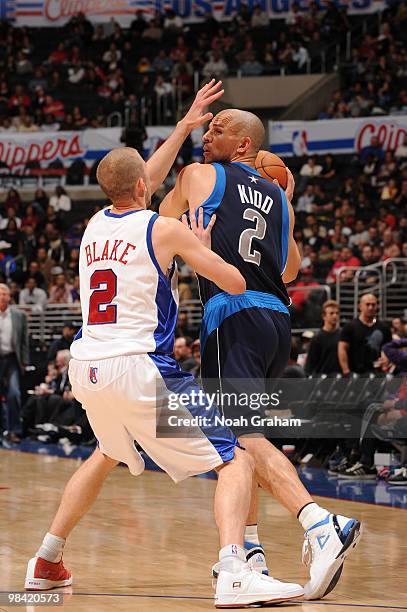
43,575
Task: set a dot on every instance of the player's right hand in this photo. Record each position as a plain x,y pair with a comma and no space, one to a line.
203,234
289,192
196,115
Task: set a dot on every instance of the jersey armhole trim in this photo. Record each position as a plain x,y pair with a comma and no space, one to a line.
285,229
213,201
151,249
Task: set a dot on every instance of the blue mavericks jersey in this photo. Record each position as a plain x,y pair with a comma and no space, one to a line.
251,229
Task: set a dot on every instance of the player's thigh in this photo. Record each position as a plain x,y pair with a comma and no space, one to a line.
95,386
188,437
235,361
279,359
242,347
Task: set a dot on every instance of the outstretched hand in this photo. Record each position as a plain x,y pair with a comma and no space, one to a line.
203,234
196,116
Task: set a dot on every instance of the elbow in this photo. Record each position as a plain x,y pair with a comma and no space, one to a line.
238,285
289,277
290,274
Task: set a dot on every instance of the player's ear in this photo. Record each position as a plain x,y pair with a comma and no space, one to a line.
140,188
245,145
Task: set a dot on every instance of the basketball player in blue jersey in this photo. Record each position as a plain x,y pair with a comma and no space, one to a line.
122,355
247,337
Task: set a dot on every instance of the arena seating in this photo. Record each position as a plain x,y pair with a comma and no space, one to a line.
350,212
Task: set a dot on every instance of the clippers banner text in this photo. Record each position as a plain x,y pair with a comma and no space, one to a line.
296,138
19,149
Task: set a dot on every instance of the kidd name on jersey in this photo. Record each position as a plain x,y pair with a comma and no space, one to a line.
108,251
256,198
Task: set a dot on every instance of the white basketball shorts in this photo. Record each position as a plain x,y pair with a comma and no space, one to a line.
119,396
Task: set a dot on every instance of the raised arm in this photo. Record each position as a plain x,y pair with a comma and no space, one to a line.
160,163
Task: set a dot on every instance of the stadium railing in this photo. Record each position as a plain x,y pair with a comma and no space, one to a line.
45,324
386,279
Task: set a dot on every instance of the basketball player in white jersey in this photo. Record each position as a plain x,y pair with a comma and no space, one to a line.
122,356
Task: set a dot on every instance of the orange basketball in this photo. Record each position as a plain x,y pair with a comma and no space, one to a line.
271,166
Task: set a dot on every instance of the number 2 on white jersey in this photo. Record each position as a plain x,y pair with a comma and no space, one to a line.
104,284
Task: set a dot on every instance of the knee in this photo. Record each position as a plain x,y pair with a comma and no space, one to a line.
241,459
245,459
101,458
263,452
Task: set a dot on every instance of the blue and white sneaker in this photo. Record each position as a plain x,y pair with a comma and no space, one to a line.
327,544
255,558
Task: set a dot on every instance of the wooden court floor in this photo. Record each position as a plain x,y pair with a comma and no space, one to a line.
148,544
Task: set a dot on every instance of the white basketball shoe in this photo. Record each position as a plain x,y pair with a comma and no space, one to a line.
248,587
327,544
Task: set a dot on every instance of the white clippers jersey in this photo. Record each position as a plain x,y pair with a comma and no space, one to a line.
128,305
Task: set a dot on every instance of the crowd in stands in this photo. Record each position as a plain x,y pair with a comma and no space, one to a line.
347,356
39,249
44,248
74,81
349,211
374,82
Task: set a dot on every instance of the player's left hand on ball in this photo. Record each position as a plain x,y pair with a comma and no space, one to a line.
196,115
203,234
289,192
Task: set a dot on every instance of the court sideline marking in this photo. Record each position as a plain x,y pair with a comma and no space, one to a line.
324,603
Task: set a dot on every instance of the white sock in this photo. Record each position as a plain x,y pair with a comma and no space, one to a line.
311,514
232,558
51,548
251,536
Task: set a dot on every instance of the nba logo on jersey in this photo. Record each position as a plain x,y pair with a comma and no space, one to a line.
93,375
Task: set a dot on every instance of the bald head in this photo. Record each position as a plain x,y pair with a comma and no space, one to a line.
119,173
243,123
368,307
233,135
368,297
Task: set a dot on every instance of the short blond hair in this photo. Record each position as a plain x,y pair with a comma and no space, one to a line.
329,304
119,171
